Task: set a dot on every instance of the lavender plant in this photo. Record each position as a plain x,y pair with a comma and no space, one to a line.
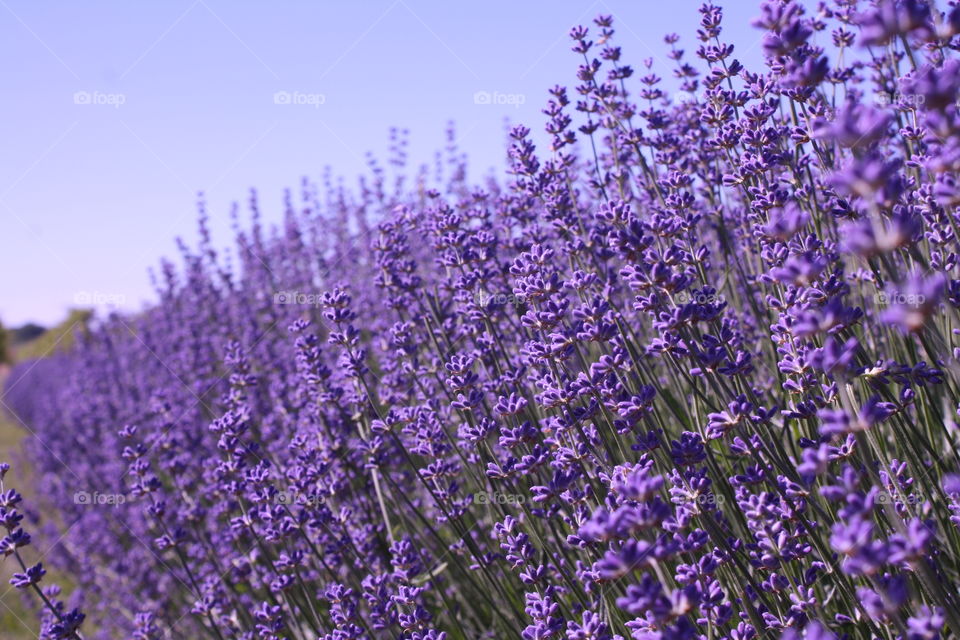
56,622
691,372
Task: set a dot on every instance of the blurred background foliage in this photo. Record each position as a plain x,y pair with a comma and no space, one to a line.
18,617
31,341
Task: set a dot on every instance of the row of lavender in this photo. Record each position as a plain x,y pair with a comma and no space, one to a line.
688,373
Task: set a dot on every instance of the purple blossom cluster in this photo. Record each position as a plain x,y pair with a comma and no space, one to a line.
689,373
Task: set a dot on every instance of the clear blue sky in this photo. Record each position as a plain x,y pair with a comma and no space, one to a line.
116,113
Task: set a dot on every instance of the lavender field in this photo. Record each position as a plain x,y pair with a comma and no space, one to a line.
689,372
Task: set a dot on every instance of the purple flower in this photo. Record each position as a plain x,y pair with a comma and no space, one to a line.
892,18
912,303
855,125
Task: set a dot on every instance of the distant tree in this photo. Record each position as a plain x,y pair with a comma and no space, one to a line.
4,355
25,333
58,338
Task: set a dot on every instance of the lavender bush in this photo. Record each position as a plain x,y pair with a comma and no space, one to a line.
692,372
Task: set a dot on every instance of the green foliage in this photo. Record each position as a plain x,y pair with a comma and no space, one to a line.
58,338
